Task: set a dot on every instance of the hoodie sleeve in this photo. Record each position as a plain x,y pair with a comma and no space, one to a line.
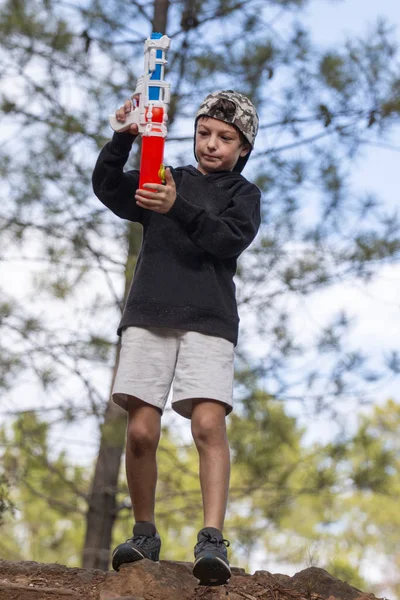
113,186
225,235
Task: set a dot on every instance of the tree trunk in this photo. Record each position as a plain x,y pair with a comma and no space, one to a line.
160,15
102,501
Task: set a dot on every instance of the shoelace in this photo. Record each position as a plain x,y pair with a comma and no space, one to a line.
211,539
138,540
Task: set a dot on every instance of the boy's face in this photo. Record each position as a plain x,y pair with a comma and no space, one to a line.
218,146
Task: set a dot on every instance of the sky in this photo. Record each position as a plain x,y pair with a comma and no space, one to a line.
375,306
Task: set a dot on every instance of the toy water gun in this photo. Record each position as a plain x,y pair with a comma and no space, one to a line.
151,112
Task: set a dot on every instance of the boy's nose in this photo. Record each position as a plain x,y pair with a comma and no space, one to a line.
212,142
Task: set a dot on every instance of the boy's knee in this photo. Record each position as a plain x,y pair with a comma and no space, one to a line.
143,434
142,438
208,428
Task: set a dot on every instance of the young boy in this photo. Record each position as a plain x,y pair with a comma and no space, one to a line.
180,321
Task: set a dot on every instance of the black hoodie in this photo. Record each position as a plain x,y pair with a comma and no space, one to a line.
184,273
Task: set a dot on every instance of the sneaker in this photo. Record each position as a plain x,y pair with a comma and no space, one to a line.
145,543
211,564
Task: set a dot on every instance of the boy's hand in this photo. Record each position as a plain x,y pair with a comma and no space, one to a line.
157,197
121,113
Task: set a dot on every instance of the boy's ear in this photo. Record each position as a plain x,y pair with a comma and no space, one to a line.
245,150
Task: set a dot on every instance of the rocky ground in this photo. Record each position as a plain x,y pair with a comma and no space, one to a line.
165,580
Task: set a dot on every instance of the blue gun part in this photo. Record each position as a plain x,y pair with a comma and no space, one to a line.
154,90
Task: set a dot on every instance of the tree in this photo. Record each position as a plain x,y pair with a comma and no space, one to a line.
48,495
332,505
73,62
372,520
344,499
5,504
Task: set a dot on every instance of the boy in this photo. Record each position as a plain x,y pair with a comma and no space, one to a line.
180,321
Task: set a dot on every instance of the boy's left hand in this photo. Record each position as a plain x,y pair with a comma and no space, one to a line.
157,197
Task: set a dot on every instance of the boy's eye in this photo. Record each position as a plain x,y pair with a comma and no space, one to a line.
226,138
202,132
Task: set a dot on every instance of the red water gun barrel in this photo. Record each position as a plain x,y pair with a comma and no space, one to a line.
152,155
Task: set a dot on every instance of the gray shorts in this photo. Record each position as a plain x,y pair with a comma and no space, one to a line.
154,359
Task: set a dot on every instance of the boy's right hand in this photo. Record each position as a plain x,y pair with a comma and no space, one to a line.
120,114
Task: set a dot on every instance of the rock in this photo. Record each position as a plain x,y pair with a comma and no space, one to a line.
318,581
282,579
166,580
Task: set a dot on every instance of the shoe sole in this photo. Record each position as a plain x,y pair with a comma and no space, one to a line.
124,556
211,570
127,554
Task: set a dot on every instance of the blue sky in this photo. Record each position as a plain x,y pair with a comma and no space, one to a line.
333,20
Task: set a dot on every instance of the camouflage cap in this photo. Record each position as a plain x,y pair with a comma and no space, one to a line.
245,117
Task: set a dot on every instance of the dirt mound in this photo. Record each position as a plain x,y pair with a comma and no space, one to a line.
145,580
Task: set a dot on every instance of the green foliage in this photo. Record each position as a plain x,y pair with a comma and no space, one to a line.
370,246
48,495
299,275
391,107
354,514
281,490
373,463
6,505
343,570
333,70
31,19
11,361
266,450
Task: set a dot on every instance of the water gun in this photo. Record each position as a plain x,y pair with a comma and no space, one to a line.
151,112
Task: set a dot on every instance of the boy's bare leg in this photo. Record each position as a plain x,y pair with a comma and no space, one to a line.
209,434
143,435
